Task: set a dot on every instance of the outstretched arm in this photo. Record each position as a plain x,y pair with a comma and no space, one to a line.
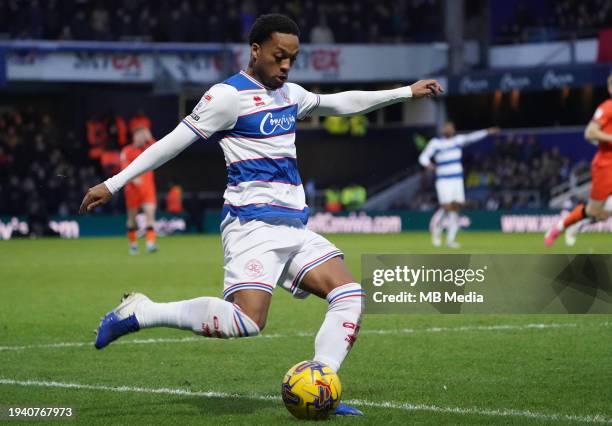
361,102
479,135
153,157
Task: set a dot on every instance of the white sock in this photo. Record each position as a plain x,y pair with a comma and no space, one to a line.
560,225
341,325
435,224
207,316
453,226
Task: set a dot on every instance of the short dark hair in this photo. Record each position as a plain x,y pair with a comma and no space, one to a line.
265,25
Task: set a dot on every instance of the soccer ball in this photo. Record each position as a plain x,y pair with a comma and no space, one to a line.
311,390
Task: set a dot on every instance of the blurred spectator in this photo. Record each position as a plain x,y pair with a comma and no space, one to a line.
174,199
321,33
368,21
554,19
41,177
353,197
332,200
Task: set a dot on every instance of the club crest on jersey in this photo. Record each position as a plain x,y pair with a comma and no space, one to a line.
271,123
258,101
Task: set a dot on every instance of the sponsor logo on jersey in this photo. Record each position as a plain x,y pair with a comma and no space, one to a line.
195,116
270,123
258,101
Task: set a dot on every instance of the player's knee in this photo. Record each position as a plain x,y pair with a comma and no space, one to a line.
595,211
257,318
347,297
261,323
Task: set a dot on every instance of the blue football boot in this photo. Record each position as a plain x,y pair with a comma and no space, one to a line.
344,410
120,321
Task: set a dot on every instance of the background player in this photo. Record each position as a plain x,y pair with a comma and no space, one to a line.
446,152
599,130
140,192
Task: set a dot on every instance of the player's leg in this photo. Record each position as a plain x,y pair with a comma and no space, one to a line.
435,225
572,231
150,237
317,268
601,188
571,224
206,316
332,280
253,265
453,226
132,229
439,219
595,209
455,187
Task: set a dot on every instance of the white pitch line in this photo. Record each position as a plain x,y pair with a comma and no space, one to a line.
592,418
501,327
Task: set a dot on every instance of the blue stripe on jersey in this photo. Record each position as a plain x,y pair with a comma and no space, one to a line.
241,82
447,162
266,123
264,211
446,149
450,176
282,170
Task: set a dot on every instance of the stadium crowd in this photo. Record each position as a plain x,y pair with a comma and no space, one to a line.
341,21
558,19
43,171
516,173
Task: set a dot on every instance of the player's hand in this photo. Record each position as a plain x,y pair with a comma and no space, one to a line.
96,196
431,167
493,130
424,88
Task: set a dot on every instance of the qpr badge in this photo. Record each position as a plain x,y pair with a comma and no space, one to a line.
254,268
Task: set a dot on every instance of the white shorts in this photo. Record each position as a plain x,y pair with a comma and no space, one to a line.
261,255
450,190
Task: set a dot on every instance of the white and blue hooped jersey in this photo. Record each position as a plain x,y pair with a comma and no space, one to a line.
256,127
447,153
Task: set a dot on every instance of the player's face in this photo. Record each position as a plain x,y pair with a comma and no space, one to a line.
448,130
273,59
610,89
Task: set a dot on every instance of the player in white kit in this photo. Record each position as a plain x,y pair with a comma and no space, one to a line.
266,243
443,154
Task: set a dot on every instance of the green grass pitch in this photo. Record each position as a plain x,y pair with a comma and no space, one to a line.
403,369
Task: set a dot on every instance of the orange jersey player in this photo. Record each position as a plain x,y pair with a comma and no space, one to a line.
140,192
599,131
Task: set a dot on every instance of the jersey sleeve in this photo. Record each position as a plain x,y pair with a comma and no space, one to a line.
603,114
216,111
306,101
469,138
